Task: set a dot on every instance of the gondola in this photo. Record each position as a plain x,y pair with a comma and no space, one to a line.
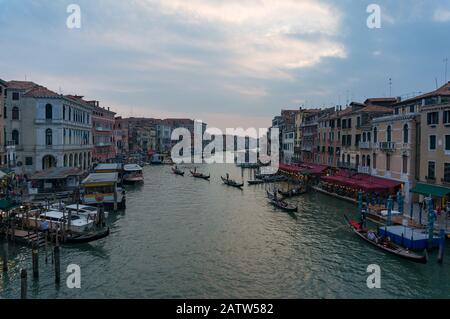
176,171
256,182
86,238
389,247
292,193
283,205
232,183
201,176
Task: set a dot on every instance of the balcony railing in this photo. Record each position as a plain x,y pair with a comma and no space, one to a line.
387,146
347,165
365,145
364,170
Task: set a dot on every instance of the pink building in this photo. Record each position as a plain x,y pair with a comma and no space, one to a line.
103,121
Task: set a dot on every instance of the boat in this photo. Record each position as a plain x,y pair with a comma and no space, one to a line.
248,165
256,182
199,175
81,210
231,183
384,245
294,192
177,171
88,237
156,159
283,205
132,173
54,220
102,188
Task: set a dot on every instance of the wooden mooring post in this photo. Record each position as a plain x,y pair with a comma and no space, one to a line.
57,265
35,258
5,257
23,284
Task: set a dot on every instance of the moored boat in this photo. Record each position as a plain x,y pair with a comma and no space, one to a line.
132,173
231,182
256,182
384,244
283,205
56,220
294,192
88,237
102,188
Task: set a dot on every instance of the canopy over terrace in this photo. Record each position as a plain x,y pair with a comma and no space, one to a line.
303,169
364,182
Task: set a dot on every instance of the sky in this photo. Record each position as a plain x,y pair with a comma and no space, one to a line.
229,63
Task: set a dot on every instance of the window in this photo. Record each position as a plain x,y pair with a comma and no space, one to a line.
348,159
432,143
15,96
368,161
431,170
349,123
48,112
15,113
447,172
447,143
405,134
389,134
364,160
397,111
412,109
28,161
405,164
349,140
388,162
64,112
368,136
357,139
358,122
364,137
48,137
15,137
375,135
433,118
344,123
446,117
374,161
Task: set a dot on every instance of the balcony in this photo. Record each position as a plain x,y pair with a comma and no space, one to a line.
364,170
387,146
365,145
347,166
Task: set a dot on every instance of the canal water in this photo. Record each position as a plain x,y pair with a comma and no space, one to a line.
186,238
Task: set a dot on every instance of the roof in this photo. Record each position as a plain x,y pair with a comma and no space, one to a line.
433,190
375,109
57,173
108,167
21,85
442,91
40,91
98,178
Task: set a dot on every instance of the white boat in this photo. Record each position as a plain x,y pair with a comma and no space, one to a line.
82,210
54,220
133,173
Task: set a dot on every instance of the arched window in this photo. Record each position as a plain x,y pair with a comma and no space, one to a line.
48,137
357,160
364,137
348,159
75,164
48,112
65,160
363,160
71,160
368,161
375,135
15,137
15,113
389,134
405,134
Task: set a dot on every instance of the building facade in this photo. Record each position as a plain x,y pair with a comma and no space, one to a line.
46,129
3,156
103,122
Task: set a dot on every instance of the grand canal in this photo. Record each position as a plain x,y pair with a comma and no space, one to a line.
187,238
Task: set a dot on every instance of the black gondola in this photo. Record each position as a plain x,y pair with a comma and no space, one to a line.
176,171
256,182
294,192
201,176
86,238
283,205
232,183
387,246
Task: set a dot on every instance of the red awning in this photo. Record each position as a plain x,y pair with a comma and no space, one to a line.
363,182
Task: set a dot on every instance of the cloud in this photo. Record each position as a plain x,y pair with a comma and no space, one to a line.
260,39
441,15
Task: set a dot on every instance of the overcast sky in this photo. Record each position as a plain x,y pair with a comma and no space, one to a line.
230,63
